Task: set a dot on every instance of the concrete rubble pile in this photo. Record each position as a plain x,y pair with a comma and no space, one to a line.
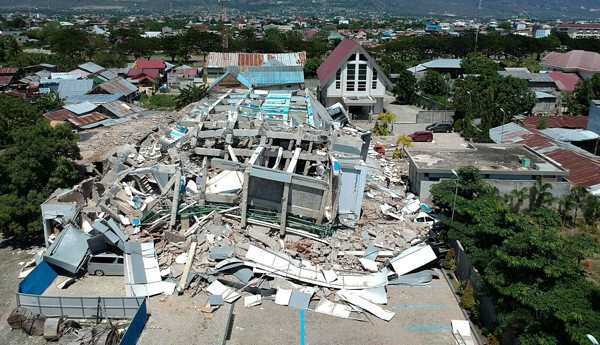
240,198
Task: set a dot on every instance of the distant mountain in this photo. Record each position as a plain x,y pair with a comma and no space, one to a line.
584,9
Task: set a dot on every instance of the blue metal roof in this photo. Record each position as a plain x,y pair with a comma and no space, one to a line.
260,76
93,98
91,67
273,75
69,87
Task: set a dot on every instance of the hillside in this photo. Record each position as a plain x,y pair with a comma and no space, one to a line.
585,9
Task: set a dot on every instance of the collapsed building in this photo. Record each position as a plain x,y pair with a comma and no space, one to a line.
248,183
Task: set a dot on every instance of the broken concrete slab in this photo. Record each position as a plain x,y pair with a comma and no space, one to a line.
253,300
412,259
360,302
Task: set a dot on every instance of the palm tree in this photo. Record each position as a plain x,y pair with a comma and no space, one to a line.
191,94
540,195
517,197
49,102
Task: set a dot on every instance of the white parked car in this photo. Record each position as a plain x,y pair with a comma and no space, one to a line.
427,219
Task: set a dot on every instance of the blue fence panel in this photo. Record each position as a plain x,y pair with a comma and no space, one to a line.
136,326
38,280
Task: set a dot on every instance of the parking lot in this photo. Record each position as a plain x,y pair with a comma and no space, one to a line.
423,316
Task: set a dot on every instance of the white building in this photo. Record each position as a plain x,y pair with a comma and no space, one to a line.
350,76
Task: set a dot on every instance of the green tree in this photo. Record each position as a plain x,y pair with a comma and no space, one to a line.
191,94
531,277
585,91
494,99
433,83
311,66
49,102
476,63
39,161
406,87
15,113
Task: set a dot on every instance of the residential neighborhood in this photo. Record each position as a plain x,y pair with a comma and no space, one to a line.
235,179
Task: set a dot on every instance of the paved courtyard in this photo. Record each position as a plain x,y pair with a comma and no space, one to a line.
423,316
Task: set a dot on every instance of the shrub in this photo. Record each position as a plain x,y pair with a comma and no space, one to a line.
467,300
449,262
397,154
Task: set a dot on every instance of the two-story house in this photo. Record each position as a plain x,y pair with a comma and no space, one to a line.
351,77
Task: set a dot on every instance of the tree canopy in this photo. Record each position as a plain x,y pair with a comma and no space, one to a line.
585,91
37,159
531,271
492,98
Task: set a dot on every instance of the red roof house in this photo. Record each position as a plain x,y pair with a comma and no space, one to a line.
158,64
351,77
582,62
565,81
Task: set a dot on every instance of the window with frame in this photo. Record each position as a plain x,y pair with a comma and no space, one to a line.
338,79
350,76
374,82
362,77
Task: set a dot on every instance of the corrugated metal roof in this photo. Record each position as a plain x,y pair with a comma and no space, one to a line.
223,60
159,64
91,67
122,109
118,85
581,26
59,115
531,77
336,59
108,75
98,98
563,121
583,166
539,94
443,63
87,119
565,81
80,108
261,76
5,79
569,135
8,70
75,87
65,75
140,73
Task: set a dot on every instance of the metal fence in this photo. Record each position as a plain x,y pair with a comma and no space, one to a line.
81,307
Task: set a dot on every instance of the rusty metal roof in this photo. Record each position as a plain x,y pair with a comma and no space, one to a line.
563,121
223,60
8,70
118,85
86,119
583,166
5,79
59,115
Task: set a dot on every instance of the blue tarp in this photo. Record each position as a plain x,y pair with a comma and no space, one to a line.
38,280
136,326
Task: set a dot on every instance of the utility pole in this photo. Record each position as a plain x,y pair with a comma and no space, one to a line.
477,29
223,28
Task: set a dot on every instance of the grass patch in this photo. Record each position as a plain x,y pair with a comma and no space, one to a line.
159,102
